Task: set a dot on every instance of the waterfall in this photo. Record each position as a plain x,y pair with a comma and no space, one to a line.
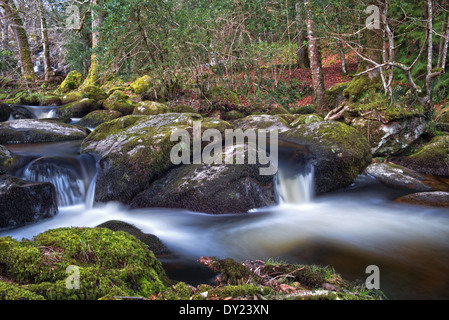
295,188
73,178
33,112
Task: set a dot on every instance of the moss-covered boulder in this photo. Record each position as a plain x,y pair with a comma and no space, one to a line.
339,152
211,188
141,85
95,118
306,119
150,108
23,202
267,122
118,101
71,97
391,138
35,131
32,99
431,199
83,264
71,82
5,112
94,92
153,242
77,109
135,150
431,158
51,101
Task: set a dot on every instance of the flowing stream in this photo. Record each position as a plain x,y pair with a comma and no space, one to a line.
349,229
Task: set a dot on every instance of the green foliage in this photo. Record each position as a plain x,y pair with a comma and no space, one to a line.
7,61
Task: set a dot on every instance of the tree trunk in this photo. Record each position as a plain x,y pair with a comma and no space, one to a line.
315,64
26,62
302,54
344,70
45,44
4,31
97,20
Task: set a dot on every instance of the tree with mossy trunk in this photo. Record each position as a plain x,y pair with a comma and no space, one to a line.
21,38
315,60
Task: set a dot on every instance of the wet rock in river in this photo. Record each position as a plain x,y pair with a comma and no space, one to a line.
36,131
23,202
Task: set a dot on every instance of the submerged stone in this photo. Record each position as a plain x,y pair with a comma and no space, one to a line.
434,199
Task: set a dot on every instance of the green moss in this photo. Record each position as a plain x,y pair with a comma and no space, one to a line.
360,86
9,291
141,85
108,262
93,92
119,101
71,97
306,119
71,82
307,109
150,108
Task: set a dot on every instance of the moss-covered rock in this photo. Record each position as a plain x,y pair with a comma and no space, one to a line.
267,122
23,202
94,92
135,150
431,158
32,99
95,118
153,242
432,199
35,131
109,264
150,108
71,82
391,138
71,97
119,101
360,86
306,119
141,85
211,188
77,109
51,101
5,112
339,152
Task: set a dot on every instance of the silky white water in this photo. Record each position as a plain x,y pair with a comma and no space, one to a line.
348,230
